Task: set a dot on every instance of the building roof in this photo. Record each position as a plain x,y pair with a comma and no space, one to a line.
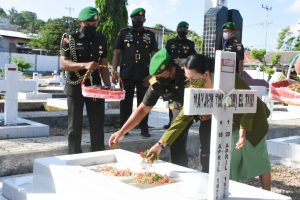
15,34
286,57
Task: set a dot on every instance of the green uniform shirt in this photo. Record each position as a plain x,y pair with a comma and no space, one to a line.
247,121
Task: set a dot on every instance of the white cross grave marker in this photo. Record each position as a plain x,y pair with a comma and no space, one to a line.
12,85
222,102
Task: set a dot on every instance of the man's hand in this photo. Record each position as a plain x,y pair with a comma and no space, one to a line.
114,77
91,66
115,138
154,151
242,139
146,81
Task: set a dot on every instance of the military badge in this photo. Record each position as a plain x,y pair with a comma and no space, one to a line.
100,47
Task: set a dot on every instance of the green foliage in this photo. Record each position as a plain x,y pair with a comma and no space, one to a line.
275,58
21,63
287,41
198,40
113,17
259,54
268,70
27,20
51,33
2,13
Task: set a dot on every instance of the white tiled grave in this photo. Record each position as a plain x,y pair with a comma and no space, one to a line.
287,149
23,128
73,177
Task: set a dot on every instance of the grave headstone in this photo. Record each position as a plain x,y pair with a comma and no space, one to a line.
11,85
222,102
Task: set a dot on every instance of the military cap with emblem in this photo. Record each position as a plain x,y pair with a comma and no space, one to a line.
138,12
159,62
88,14
183,24
229,25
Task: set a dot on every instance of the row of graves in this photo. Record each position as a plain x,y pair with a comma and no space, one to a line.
119,174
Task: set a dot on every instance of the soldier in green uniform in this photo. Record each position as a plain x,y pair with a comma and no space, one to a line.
230,43
167,81
180,48
136,45
82,50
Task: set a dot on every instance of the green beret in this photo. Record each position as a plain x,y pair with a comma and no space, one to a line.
159,62
183,24
138,12
88,14
229,25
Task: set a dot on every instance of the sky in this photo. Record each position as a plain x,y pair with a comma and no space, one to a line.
284,13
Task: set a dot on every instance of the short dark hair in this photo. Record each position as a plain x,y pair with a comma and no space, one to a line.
199,63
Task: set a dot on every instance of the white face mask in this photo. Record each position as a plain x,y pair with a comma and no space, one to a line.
226,35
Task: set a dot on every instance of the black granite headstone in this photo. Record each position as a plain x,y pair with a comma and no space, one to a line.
214,19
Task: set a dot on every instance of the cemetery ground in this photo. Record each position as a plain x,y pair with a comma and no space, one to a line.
285,180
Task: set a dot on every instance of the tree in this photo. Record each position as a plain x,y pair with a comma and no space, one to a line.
2,13
13,13
288,41
275,58
259,54
51,33
198,40
21,63
114,17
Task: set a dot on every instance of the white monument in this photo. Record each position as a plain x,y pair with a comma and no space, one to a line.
75,177
214,4
222,102
13,125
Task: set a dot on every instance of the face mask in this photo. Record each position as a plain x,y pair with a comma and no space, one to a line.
226,35
136,23
195,83
182,34
89,31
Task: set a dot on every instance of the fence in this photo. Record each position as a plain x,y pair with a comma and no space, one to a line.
39,63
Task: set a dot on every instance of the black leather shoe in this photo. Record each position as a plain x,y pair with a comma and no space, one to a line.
166,126
145,134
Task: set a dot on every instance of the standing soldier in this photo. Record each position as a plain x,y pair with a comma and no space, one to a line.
82,51
230,43
180,48
136,45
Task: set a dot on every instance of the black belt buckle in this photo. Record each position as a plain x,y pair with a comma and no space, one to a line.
137,56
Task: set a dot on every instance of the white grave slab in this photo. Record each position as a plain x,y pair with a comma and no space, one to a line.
74,177
222,102
287,149
35,94
13,125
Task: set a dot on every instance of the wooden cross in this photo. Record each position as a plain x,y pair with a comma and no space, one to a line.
12,85
222,102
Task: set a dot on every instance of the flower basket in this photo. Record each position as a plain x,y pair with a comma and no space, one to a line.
286,91
100,92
